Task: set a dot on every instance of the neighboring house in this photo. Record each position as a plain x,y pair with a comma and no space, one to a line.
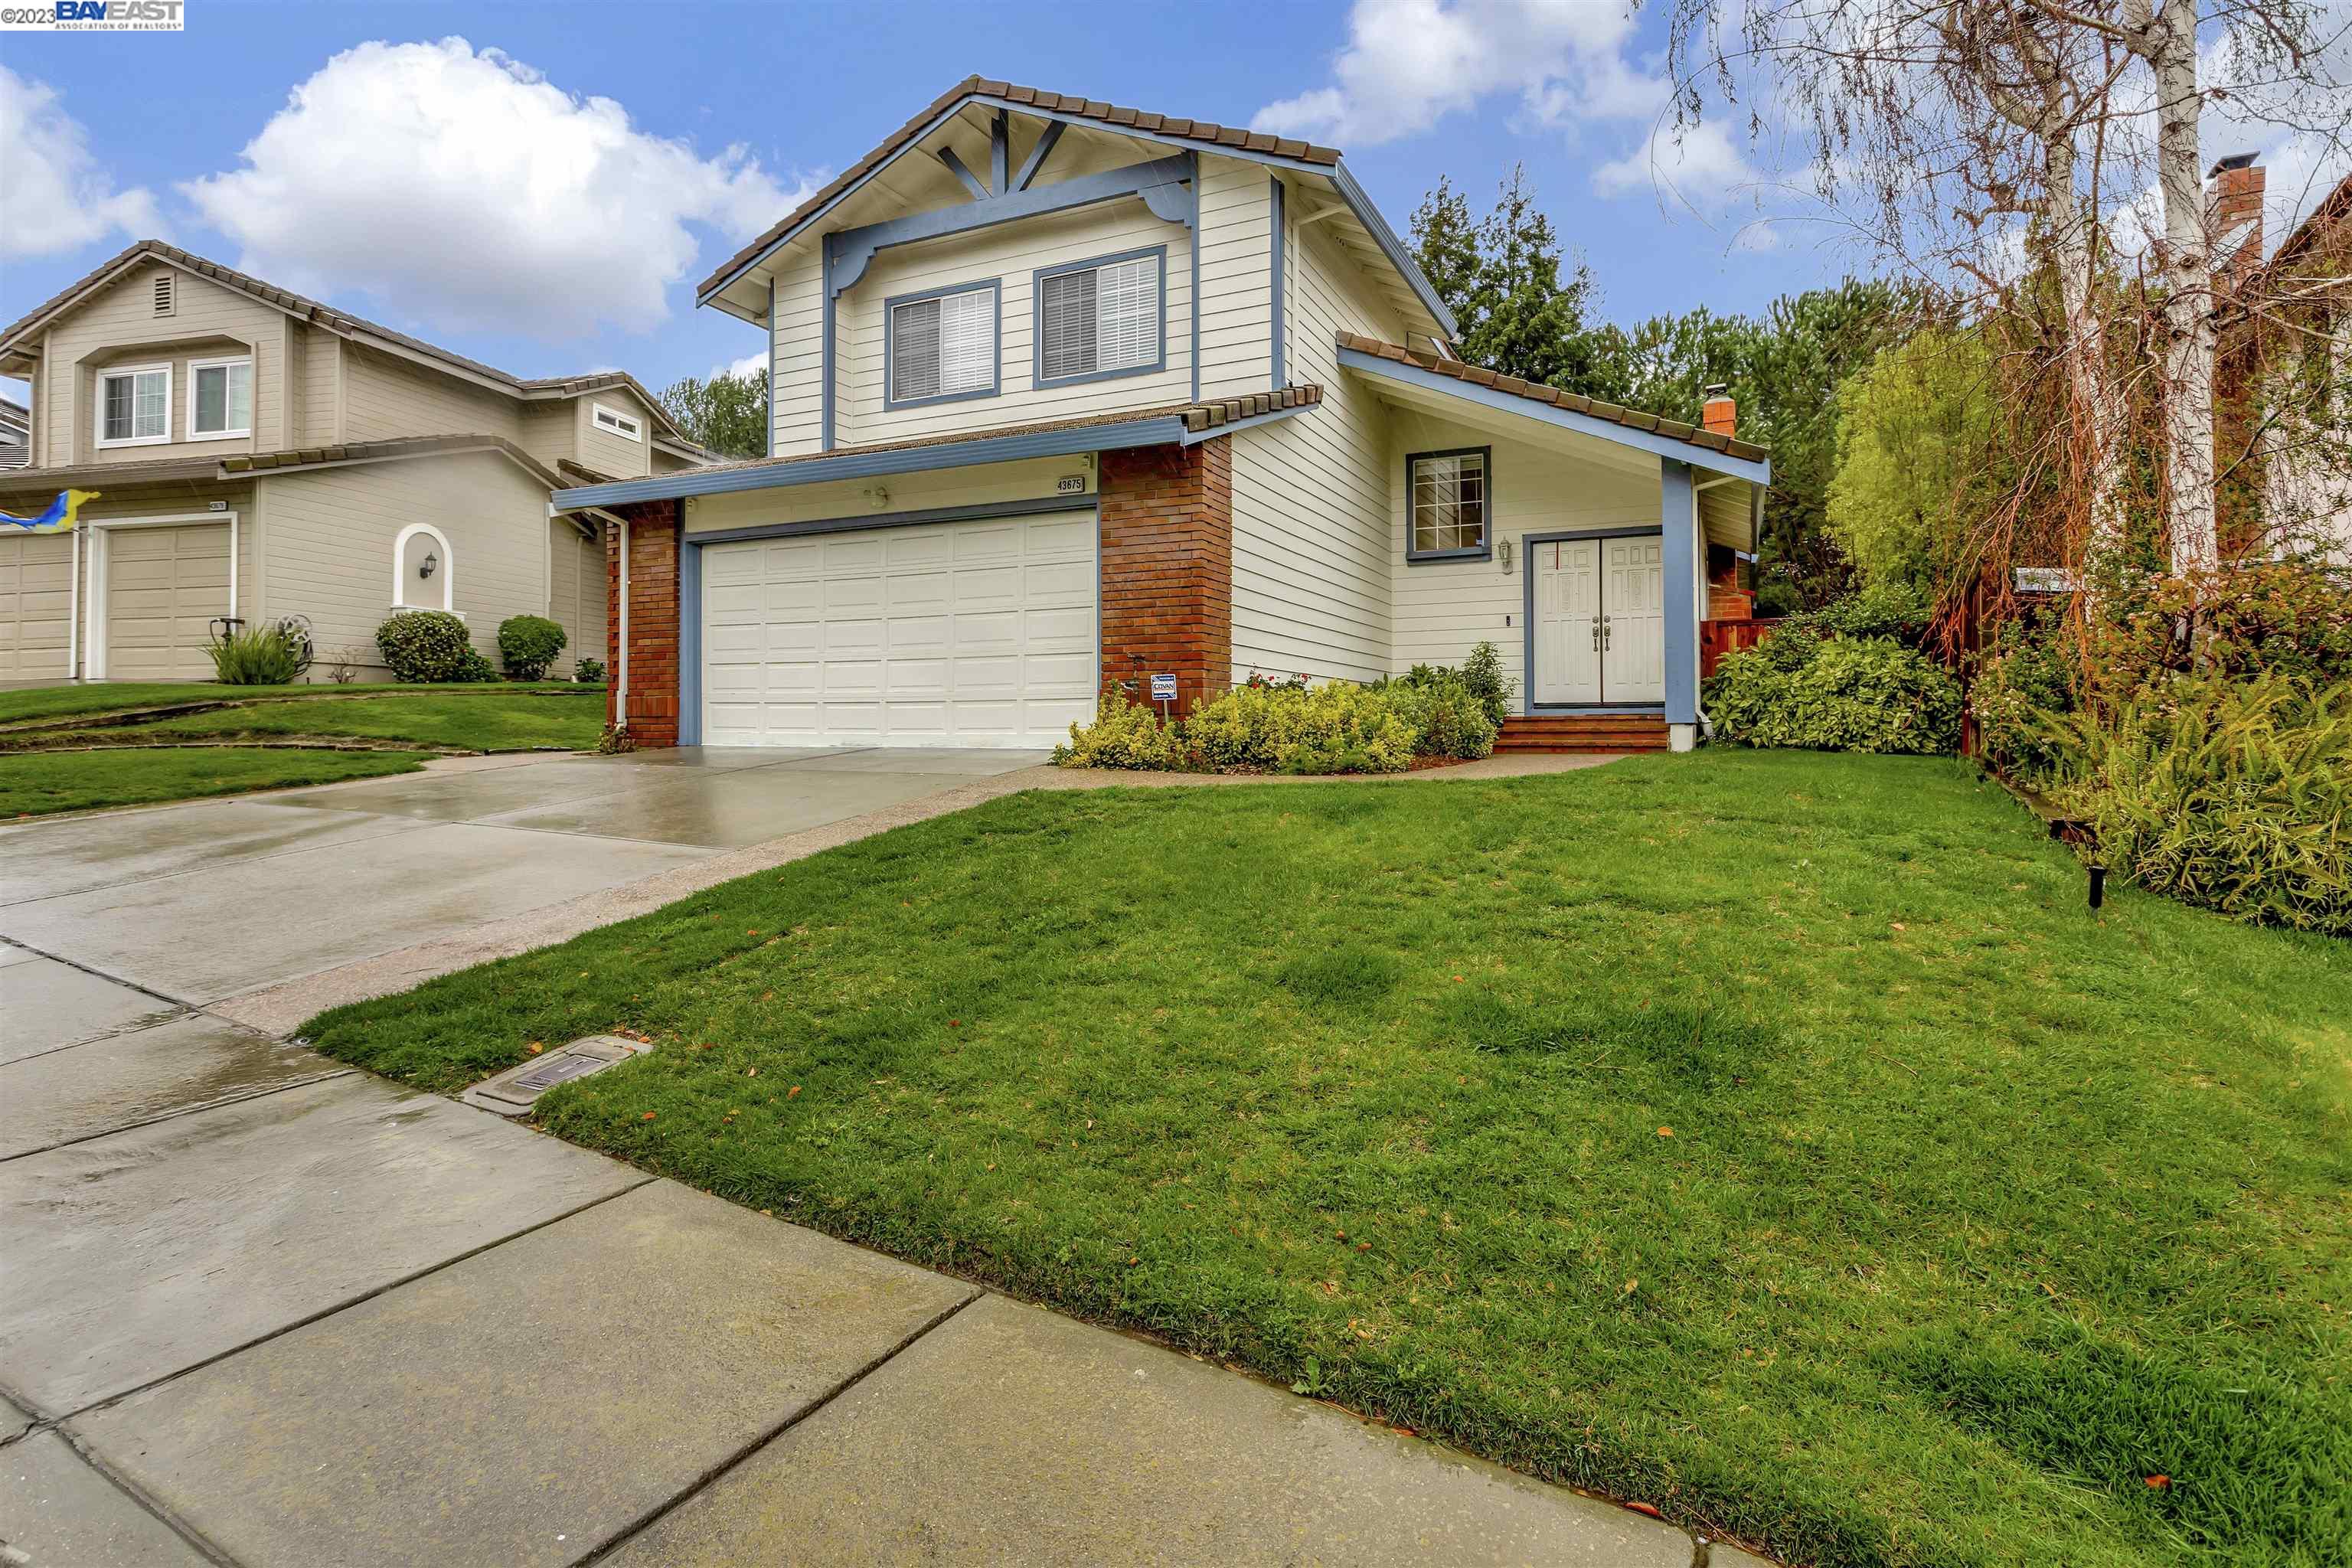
2284,377
1068,394
15,427
259,455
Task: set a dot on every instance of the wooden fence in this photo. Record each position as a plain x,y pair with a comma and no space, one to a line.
1717,639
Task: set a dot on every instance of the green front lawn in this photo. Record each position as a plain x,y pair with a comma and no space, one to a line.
32,782
494,719
1771,1137
36,703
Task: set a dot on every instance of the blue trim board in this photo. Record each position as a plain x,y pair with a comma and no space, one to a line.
1275,227
1037,317
1192,348
1039,153
1482,551
771,364
690,638
972,182
1000,153
1678,522
995,343
1160,184
826,374
1658,446
859,521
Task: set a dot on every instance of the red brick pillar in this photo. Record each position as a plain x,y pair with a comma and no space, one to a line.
1168,568
651,715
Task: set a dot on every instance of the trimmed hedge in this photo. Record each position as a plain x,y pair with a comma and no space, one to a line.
1835,694
430,647
1338,728
529,644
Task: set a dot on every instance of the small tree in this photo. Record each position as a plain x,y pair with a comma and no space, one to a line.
727,414
1917,470
529,644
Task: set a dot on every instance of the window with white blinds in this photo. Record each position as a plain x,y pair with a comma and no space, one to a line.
1099,319
943,345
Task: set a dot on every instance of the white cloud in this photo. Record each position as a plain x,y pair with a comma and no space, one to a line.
55,199
750,364
1698,166
1409,63
465,191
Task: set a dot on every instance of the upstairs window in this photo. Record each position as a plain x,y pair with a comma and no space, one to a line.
220,400
1101,318
1449,491
943,344
613,422
134,405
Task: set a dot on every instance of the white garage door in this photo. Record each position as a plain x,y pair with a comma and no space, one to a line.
35,595
163,587
964,634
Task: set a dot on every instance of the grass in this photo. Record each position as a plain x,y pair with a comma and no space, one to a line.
1771,1137
33,782
500,720
36,703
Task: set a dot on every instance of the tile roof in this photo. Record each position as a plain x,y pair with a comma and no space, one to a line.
1196,416
333,319
1207,133
1631,418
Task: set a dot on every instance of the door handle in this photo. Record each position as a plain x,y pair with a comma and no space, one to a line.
1605,630
1596,637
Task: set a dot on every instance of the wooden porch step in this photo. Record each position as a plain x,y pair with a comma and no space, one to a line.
1567,733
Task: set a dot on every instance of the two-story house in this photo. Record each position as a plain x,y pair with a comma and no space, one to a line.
1070,395
258,455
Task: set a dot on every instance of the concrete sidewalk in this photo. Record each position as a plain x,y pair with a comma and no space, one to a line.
261,1309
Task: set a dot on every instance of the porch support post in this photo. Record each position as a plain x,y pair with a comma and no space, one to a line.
1678,528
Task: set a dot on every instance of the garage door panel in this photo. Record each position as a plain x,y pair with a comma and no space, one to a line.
164,588
36,606
955,634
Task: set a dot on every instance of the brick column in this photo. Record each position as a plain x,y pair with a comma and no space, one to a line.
654,529
1168,568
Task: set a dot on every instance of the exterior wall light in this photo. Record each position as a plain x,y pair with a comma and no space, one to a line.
429,566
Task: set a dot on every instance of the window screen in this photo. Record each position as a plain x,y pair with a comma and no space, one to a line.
224,398
136,407
1100,317
944,346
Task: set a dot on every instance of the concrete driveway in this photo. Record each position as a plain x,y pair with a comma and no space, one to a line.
260,1309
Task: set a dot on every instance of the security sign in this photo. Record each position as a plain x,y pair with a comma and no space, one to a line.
1164,689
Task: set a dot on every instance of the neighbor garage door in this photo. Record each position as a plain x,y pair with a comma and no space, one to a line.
35,599
164,588
966,634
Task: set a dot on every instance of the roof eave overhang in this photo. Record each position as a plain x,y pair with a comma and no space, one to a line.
1343,183
1161,430
1754,471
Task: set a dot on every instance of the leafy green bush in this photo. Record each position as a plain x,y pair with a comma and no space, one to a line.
256,655
529,644
1286,727
1896,610
428,646
474,669
1839,694
2292,617
2025,685
1481,678
2232,794
589,672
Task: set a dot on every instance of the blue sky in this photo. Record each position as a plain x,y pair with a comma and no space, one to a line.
446,189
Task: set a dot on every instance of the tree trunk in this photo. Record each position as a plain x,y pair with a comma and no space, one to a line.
2097,410
2171,55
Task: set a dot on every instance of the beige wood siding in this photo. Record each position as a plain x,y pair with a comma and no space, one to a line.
118,326
605,452
331,534
1035,480
1311,499
1236,277
576,596
388,397
1444,608
795,405
551,432
164,586
35,597
1010,254
322,387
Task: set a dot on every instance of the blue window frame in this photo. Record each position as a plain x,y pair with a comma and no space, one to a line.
1101,318
942,345
1449,510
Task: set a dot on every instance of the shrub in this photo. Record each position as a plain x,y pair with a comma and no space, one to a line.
1843,694
427,645
474,668
1481,677
256,655
2025,685
2229,795
529,644
615,741
1281,726
1124,734
1895,610
2293,617
589,672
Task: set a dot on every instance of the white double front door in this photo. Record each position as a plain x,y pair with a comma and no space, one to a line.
1599,621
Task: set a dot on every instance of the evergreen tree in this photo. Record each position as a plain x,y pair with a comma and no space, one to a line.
1501,278
727,414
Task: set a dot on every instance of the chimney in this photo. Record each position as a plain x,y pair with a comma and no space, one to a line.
1720,413
2234,207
